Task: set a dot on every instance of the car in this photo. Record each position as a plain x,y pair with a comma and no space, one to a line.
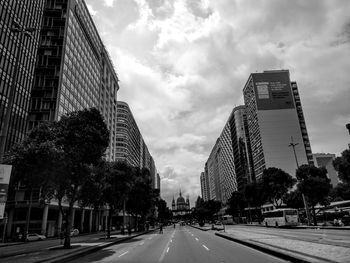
35,236
74,232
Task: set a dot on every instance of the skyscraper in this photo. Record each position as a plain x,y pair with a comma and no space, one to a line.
204,186
229,165
274,119
130,146
20,23
73,68
326,160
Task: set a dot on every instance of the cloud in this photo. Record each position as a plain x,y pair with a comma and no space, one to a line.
183,65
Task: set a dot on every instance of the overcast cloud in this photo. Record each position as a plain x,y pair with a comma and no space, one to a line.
182,66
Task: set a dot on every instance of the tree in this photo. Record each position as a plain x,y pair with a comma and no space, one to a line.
236,204
36,162
276,183
294,199
140,199
314,184
340,192
83,136
254,194
342,165
164,213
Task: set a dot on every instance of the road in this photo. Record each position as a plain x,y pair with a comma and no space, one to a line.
183,244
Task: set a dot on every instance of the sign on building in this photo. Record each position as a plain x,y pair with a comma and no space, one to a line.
5,173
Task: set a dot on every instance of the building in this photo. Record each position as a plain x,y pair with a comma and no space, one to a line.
204,186
241,149
181,207
229,166
73,71
304,133
273,118
326,160
131,148
213,169
73,68
20,23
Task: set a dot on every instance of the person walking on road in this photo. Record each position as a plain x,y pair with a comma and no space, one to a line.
161,229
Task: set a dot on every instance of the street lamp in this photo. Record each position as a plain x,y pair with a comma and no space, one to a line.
23,31
292,144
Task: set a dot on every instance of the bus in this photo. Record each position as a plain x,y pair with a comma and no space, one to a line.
281,217
227,220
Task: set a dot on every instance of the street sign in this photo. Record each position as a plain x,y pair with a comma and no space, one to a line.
5,173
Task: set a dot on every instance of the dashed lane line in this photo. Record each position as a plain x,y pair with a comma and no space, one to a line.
126,252
197,239
205,247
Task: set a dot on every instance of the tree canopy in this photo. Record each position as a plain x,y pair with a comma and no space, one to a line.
342,165
276,183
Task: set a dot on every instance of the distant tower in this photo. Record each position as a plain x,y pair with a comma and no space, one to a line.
188,202
173,204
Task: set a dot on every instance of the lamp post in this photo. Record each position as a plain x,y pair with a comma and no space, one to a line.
292,144
22,31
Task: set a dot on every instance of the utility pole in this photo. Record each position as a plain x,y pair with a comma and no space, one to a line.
26,31
292,144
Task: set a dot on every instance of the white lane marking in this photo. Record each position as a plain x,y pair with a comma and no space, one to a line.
171,241
167,250
197,239
123,254
192,234
150,237
205,247
142,243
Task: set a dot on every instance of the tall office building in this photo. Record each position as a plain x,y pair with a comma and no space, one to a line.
73,71
131,148
274,119
73,68
230,162
241,149
18,47
214,172
326,160
204,186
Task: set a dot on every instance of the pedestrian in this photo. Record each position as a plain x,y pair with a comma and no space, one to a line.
161,229
61,237
174,226
129,229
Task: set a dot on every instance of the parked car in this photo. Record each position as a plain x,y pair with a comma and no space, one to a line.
74,232
35,236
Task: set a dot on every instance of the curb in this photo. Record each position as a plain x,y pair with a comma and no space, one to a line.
76,254
304,227
200,228
265,250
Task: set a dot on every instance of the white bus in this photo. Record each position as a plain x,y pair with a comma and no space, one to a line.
281,217
227,220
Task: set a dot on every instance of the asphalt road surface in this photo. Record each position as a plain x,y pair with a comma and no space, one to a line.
182,244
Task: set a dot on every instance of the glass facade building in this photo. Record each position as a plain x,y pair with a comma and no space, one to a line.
229,168
73,68
17,62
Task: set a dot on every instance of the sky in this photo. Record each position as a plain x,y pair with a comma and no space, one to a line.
182,65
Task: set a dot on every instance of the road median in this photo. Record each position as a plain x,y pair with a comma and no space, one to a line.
291,250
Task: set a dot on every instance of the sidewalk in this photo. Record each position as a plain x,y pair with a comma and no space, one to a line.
290,249
57,253
307,227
